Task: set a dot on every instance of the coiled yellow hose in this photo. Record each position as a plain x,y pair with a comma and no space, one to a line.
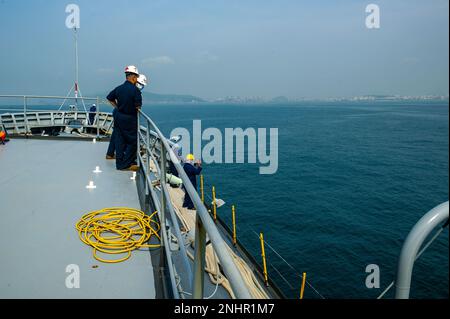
117,231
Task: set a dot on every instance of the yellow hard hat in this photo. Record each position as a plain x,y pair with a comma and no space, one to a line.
190,157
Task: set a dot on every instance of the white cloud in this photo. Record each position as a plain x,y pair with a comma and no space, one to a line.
157,61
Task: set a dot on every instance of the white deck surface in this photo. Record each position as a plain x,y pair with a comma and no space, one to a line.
42,196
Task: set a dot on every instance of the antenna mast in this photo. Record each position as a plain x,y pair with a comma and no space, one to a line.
76,87
76,66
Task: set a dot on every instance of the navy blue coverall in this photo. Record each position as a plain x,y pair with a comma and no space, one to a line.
129,99
112,143
92,115
192,172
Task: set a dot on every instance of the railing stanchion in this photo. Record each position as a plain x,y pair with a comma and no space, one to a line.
162,179
147,152
199,260
233,212
214,203
302,289
162,208
138,142
25,114
263,255
202,188
98,117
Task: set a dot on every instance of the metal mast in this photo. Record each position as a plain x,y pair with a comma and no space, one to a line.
76,87
76,66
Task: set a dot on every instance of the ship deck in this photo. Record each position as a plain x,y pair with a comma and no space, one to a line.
43,194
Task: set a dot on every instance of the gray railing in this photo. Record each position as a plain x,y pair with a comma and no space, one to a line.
204,223
26,98
413,243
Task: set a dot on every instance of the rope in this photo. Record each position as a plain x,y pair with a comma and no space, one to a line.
282,277
314,289
117,231
212,266
217,283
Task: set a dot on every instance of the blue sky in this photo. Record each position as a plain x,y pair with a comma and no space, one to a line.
214,48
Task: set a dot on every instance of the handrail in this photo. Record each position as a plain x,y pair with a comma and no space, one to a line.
50,97
204,226
411,247
28,97
160,207
39,112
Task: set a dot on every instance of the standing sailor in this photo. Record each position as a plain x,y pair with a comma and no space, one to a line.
111,153
192,170
141,82
92,114
127,98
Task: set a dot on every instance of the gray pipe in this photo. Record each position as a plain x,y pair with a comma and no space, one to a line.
412,244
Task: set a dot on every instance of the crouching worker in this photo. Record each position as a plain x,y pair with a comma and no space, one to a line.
192,170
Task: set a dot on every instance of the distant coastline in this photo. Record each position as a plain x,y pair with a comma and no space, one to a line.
191,99
155,98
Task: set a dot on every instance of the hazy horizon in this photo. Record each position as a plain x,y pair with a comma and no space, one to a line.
213,49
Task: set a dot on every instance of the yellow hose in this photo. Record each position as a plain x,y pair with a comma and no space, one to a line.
117,231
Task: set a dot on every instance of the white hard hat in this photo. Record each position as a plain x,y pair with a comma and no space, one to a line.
142,79
132,69
176,138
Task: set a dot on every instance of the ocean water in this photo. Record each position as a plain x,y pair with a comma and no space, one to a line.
353,179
